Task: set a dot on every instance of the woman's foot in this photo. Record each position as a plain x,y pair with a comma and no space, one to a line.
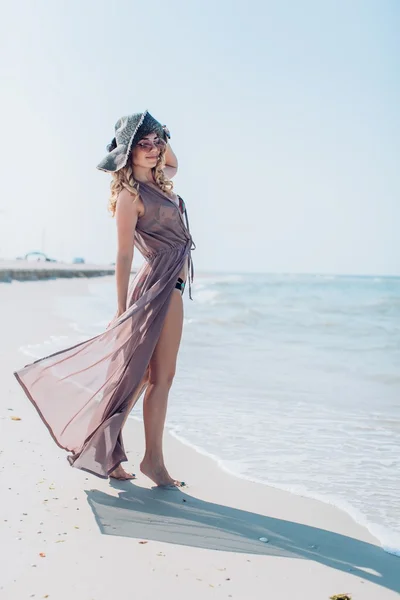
120,473
159,474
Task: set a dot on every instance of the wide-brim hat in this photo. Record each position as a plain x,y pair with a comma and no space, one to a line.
128,131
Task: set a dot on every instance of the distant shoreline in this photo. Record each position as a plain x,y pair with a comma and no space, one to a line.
23,270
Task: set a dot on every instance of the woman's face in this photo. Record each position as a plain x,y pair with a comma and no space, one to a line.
146,152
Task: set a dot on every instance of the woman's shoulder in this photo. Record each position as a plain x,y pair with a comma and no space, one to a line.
128,201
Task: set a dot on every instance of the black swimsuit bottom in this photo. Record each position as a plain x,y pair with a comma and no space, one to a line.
180,285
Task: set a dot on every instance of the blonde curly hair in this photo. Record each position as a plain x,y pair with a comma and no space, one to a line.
124,179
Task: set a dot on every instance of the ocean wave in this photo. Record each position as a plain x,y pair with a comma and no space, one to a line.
207,296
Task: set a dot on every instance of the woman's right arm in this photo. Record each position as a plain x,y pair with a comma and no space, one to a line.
126,216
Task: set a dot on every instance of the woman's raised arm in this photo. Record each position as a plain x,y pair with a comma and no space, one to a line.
171,163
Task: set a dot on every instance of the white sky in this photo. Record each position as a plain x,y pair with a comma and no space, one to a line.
284,116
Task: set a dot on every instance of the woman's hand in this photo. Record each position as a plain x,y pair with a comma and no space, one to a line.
167,133
117,315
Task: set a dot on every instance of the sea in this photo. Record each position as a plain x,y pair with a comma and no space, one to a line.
288,380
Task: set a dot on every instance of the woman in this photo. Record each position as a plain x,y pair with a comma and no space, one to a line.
84,394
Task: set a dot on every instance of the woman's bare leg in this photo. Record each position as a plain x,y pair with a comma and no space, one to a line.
162,371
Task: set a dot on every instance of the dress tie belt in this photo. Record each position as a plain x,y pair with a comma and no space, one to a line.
192,247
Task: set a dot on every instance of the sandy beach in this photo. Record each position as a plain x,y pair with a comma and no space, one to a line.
66,534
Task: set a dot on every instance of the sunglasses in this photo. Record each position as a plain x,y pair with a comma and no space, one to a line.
147,145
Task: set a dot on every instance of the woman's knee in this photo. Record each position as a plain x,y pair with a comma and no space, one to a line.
164,379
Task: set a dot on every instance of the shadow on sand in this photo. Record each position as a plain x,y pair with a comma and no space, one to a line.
177,518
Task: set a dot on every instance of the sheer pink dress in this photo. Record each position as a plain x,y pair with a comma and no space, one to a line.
83,393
